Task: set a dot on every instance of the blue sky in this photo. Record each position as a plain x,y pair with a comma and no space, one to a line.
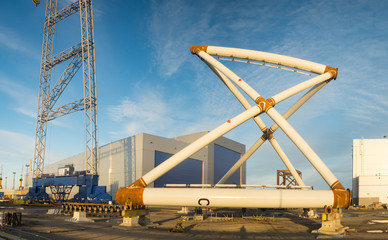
148,81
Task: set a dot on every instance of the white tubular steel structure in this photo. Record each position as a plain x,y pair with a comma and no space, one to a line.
235,186
218,195
237,198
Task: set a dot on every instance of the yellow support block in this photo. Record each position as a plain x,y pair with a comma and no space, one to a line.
134,213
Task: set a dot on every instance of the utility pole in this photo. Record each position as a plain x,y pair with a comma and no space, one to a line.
80,56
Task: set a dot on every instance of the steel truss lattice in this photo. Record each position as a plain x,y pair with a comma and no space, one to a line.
79,55
285,178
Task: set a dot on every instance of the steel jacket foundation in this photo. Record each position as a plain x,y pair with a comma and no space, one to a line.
137,194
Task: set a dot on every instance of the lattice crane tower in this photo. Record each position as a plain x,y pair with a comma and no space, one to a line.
80,56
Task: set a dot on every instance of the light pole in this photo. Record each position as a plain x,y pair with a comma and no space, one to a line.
13,186
26,180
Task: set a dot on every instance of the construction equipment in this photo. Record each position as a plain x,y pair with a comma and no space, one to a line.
79,56
62,184
36,2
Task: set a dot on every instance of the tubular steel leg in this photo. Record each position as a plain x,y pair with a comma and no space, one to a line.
286,161
307,151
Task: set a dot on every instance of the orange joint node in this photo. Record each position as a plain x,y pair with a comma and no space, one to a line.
270,137
271,101
197,48
263,137
337,185
267,134
263,104
332,71
341,198
131,195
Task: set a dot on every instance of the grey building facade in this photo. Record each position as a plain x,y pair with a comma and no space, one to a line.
124,161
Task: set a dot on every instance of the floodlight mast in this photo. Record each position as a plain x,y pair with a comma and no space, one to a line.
79,55
1,177
138,195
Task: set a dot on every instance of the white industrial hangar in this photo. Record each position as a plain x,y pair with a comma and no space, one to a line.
124,161
370,171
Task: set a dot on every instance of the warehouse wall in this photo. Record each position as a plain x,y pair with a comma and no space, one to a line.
370,171
187,172
372,189
224,159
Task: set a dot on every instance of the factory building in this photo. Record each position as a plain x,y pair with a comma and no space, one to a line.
124,161
370,171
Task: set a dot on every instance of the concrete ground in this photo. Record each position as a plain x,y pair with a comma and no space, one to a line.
37,224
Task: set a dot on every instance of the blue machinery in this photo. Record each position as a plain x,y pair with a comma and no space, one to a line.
61,186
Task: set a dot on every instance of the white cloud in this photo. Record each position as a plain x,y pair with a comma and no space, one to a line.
15,146
167,115
23,98
170,37
10,42
146,112
8,154
368,106
13,41
148,106
26,111
175,25
97,13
